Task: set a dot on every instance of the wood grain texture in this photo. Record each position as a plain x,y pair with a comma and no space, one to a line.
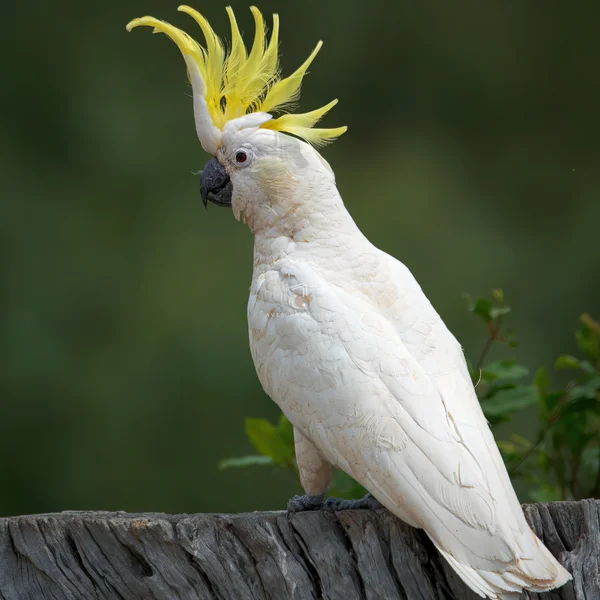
351,555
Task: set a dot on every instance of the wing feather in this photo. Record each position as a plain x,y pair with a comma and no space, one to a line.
368,371
377,413
382,389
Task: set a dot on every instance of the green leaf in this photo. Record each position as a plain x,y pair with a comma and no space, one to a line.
566,361
510,400
588,368
482,307
589,389
582,405
588,342
593,326
245,461
286,432
504,369
482,376
488,309
573,426
260,433
268,440
541,381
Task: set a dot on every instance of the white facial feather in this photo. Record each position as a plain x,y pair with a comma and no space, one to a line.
277,179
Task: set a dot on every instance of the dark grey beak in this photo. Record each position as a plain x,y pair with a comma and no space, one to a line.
215,184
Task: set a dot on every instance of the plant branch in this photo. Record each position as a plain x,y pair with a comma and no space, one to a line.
493,329
552,419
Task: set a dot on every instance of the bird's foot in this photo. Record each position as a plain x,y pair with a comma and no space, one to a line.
304,503
367,501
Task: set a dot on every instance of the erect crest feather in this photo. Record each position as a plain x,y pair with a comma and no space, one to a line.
239,82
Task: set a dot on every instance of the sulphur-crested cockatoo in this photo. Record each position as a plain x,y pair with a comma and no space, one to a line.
342,336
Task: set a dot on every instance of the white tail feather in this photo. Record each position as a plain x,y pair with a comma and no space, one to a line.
539,574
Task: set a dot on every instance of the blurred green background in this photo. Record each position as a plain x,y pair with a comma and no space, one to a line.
472,155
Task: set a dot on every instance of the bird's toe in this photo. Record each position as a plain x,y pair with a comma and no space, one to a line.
366,502
303,503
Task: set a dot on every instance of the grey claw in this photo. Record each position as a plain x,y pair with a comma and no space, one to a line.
304,503
366,502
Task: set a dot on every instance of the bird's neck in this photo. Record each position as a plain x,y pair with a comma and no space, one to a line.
318,224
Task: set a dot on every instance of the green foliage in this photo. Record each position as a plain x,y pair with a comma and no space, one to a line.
245,461
274,444
503,402
275,447
562,462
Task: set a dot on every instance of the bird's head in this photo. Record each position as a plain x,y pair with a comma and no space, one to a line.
261,163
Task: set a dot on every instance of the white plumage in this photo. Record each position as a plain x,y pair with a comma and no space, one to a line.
347,344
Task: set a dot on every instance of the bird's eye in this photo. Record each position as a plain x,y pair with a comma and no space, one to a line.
241,157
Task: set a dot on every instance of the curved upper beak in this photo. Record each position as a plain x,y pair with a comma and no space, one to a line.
215,185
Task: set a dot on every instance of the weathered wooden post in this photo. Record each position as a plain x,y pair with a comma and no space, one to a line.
352,555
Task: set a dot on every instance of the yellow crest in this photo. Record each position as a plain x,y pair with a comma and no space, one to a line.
237,83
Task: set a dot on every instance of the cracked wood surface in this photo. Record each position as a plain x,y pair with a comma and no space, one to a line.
362,555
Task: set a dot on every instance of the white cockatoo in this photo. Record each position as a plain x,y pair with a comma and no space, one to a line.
342,336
